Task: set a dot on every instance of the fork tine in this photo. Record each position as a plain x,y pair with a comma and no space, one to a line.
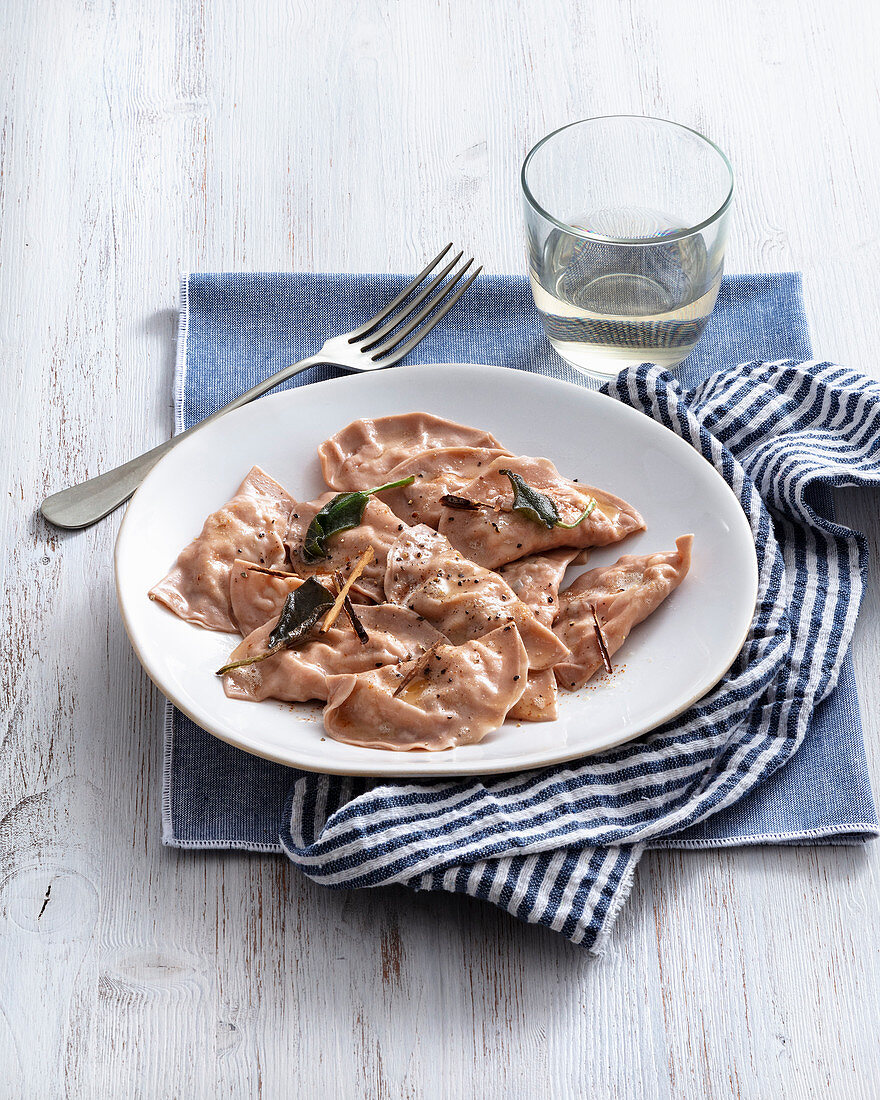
364,330
381,347
399,352
410,307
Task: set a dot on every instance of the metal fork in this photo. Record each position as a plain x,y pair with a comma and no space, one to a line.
380,343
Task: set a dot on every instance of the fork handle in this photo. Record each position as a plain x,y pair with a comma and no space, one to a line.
84,504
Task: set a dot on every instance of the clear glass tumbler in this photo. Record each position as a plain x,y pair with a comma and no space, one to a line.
626,219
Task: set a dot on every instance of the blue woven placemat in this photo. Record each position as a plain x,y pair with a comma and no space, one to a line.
236,329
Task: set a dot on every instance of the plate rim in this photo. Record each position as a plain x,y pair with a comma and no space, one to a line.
404,769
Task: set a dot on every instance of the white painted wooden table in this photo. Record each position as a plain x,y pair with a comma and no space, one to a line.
142,139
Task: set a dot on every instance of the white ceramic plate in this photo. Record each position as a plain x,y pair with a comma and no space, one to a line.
668,662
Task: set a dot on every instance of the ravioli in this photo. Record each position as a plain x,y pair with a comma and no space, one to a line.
362,454
461,604
540,701
296,675
623,595
458,696
257,594
378,528
250,526
461,599
494,534
536,580
436,473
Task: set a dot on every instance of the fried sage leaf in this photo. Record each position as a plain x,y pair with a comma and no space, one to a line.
450,500
538,506
302,609
344,511
299,616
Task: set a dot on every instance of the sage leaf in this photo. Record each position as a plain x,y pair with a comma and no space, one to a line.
450,500
344,511
301,611
538,506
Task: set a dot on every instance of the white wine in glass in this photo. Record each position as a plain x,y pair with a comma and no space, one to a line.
627,268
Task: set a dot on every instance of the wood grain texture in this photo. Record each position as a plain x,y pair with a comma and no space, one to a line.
139,140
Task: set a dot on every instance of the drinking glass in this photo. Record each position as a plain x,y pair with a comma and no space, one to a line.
626,221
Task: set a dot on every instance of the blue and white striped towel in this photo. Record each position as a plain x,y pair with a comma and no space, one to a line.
558,847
